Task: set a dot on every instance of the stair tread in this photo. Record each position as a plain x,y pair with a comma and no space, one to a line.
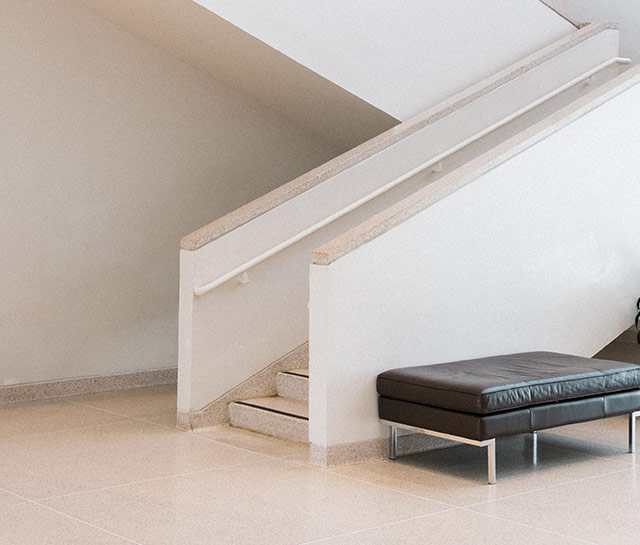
297,372
287,405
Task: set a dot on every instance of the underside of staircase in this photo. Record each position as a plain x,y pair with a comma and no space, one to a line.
284,415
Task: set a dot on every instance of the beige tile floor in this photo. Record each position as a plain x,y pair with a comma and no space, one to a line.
111,469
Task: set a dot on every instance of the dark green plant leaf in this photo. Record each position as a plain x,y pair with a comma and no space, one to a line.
637,319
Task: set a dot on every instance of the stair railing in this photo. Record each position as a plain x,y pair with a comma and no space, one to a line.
240,270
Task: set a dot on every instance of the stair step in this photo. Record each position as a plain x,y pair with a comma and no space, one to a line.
278,416
293,384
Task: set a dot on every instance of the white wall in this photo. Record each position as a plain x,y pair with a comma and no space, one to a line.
401,57
540,253
624,12
110,152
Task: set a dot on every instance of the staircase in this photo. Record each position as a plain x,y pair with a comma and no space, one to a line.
284,415
249,296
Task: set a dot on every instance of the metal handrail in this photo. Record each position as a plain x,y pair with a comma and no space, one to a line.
206,288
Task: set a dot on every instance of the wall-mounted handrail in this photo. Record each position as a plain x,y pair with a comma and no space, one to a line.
206,288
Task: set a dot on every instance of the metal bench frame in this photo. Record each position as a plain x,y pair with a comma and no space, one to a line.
489,443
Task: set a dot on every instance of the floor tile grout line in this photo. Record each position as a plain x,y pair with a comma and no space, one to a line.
453,508
550,487
21,502
106,411
332,472
286,458
153,479
63,430
67,515
14,494
122,485
525,525
127,416
144,481
308,463
273,456
541,488
133,483
24,498
349,477
27,501
362,530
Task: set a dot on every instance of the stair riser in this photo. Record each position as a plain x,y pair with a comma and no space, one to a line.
269,423
292,386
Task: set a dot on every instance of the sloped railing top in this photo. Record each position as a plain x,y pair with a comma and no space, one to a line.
317,176
456,180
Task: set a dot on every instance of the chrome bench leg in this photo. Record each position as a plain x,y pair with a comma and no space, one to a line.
393,443
632,430
489,443
491,459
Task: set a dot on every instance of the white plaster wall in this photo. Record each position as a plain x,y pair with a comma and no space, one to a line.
624,12
401,57
110,152
540,253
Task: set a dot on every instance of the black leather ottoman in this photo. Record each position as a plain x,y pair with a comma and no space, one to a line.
475,401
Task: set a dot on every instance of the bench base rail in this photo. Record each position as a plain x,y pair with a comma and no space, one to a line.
489,443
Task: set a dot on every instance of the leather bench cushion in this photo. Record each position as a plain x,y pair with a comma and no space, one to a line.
499,383
471,426
489,426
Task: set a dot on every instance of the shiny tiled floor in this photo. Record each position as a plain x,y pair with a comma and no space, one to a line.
110,469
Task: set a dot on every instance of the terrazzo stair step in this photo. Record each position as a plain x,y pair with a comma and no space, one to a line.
277,416
293,383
